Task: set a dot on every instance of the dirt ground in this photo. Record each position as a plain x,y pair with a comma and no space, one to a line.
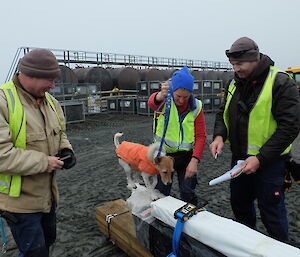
97,178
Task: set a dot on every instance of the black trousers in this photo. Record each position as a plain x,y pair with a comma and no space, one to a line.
265,186
34,233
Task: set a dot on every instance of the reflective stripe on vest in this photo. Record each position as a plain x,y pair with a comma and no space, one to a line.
173,139
260,118
11,184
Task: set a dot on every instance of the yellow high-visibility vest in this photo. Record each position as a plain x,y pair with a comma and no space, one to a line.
11,184
173,138
262,124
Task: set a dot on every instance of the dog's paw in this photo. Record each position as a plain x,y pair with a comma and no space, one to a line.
154,196
131,187
142,183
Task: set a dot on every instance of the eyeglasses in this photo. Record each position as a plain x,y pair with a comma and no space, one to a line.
236,54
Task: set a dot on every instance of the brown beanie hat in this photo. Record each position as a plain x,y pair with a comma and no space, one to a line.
39,63
244,49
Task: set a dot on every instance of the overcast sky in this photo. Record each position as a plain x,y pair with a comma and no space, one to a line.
189,29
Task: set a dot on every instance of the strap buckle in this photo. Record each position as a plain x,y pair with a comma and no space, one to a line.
187,211
182,215
109,217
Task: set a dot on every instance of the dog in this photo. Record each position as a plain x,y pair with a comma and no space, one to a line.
139,161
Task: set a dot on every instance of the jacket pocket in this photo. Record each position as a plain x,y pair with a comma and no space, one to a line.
36,136
57,131
36,141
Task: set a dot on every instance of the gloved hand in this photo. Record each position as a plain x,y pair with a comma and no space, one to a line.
295,171
292,171
69,162
287,183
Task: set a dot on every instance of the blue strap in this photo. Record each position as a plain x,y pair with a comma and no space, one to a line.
182,215
166,120
160,106
176,235
181,118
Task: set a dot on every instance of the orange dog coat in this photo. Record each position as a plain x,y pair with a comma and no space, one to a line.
136,156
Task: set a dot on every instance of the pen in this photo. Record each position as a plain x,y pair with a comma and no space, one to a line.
65,157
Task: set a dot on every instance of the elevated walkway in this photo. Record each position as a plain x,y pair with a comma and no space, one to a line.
75,57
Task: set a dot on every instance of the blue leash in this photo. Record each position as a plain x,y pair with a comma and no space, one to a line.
3,236
166,120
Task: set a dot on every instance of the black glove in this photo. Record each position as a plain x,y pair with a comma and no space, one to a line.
68,157
295,171
292,171
287,183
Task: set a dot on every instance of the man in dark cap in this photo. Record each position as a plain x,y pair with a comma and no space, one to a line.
33,146
260,120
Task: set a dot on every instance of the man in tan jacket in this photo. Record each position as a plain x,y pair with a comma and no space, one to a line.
33,146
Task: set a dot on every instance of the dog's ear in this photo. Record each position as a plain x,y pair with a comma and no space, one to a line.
172,158
173,162
157,160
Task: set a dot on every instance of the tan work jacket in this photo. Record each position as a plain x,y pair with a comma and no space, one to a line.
44,137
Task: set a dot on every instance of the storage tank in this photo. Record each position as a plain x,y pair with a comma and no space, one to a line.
67,75
226,77
67,81
95,75
219,74
168,73
212,75
152,75
124,78
199,74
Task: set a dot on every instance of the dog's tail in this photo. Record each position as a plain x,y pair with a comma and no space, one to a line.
116,138
152,151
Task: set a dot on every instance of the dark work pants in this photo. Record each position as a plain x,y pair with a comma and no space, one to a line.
34,233
265,185
186,186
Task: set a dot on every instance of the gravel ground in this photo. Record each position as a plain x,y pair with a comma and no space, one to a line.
97,178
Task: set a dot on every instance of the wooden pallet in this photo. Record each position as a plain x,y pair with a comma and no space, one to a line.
121,229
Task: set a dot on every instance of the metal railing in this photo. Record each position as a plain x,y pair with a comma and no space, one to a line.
69,57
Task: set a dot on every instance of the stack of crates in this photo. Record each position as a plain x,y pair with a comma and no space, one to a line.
147,88
73,111
210,94
217,89
197,88
144,90
113,104
122,104
127,104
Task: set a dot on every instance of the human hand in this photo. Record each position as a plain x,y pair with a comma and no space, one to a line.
252,164
191,169
287,183
165,87
216,146
54,164
68,157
